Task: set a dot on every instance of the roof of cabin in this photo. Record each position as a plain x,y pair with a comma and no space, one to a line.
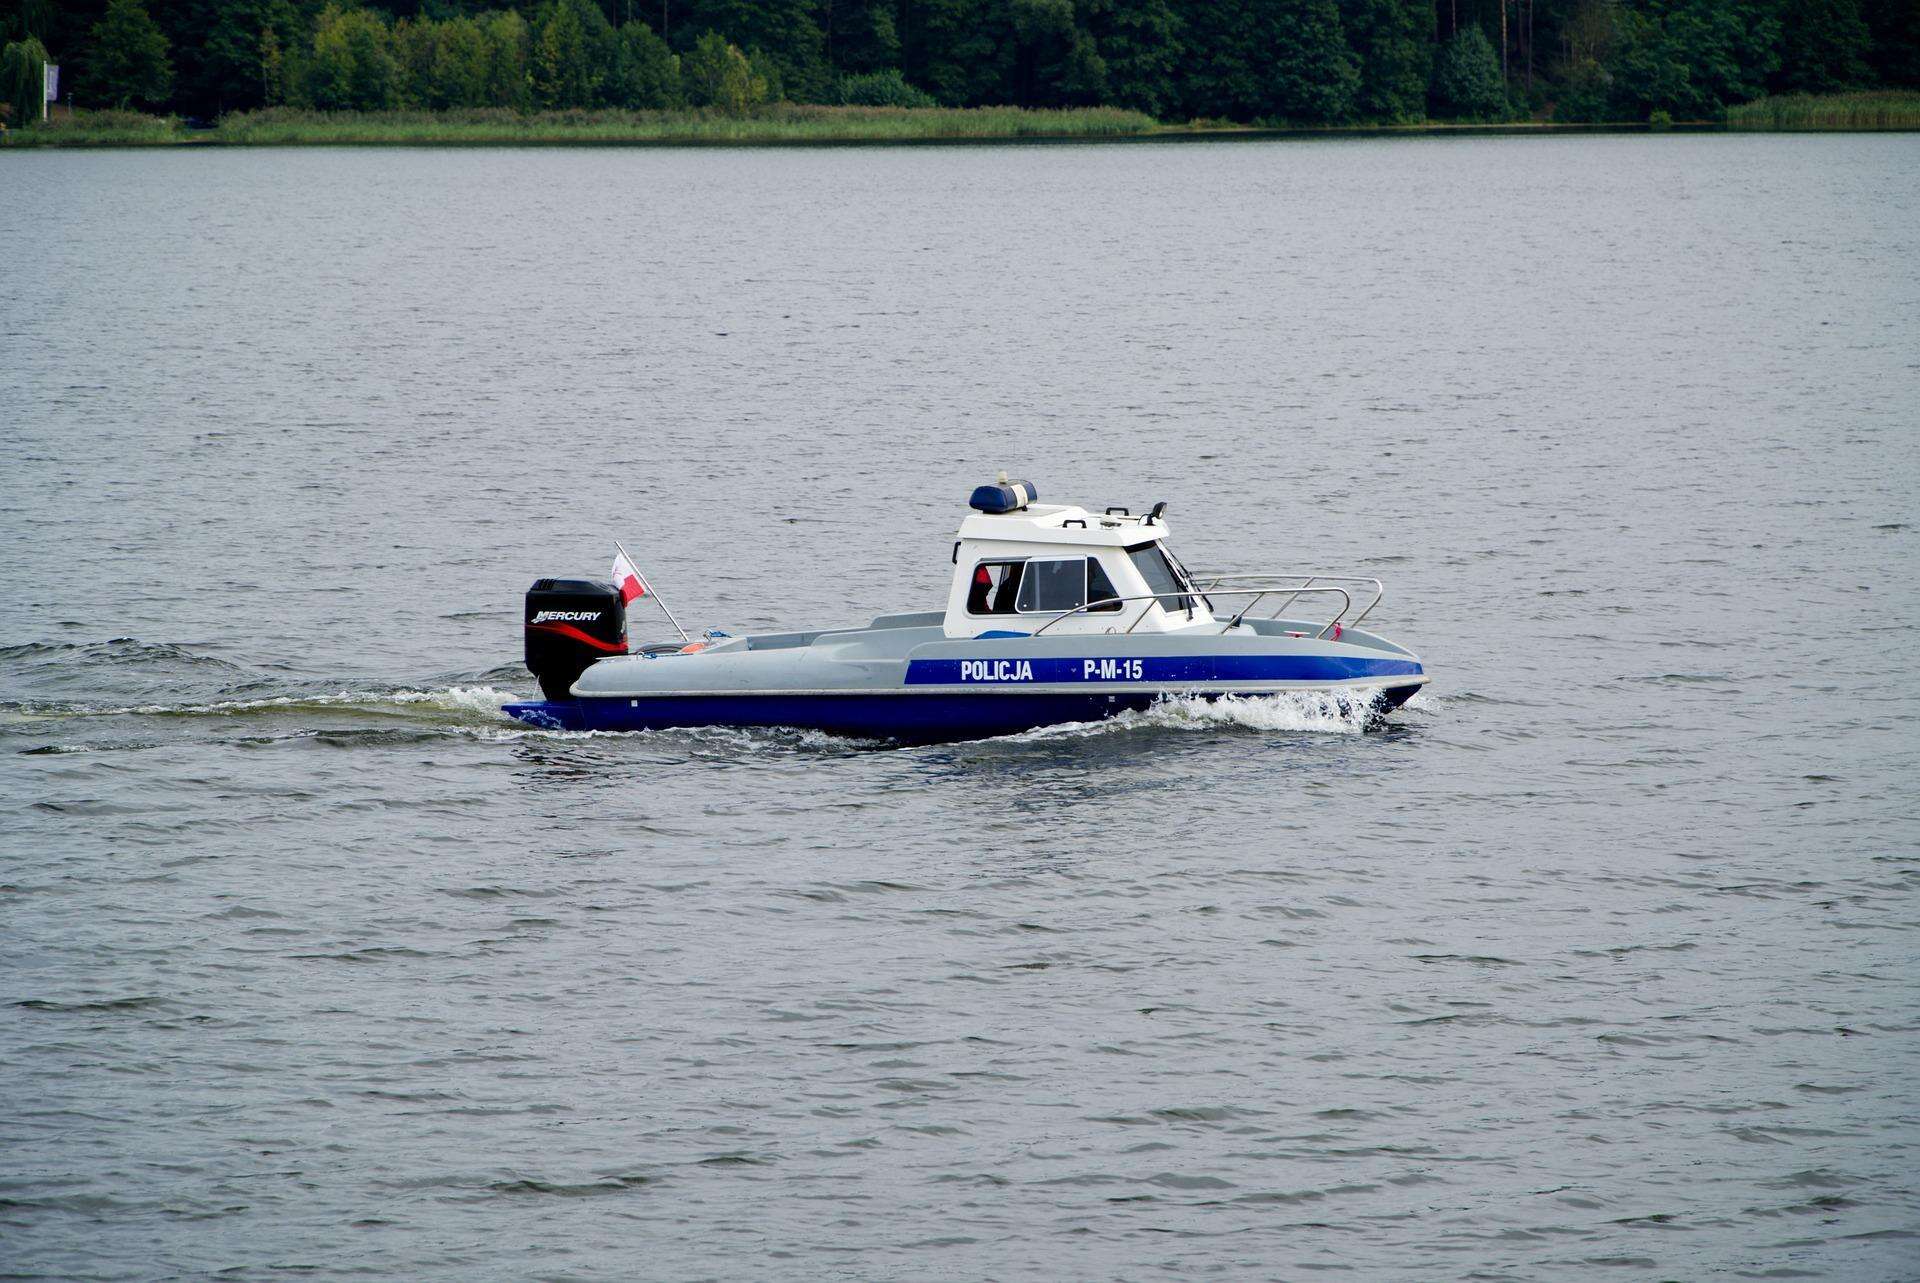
1046,523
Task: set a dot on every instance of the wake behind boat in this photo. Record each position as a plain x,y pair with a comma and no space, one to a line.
1055,614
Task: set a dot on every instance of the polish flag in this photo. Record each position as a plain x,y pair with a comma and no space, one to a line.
627,578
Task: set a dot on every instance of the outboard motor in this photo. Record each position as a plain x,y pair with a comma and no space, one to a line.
571,623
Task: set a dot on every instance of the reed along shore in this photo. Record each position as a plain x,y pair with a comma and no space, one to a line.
786,123
800,124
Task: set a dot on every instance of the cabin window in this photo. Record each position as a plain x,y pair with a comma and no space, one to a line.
1042,586
1052,586
1061,585
995,587
1162,579
1100,588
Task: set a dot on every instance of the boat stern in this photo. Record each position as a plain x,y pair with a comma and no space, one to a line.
549,714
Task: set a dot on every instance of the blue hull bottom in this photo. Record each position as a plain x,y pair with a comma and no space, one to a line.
911,719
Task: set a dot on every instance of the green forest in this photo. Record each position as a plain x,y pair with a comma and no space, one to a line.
1296,62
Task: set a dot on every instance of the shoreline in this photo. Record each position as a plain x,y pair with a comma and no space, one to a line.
948,129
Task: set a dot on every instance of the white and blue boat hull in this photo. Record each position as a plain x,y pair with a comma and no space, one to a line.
1055,613
900,679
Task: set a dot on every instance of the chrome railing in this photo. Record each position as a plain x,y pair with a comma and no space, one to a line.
1305,583
1253,594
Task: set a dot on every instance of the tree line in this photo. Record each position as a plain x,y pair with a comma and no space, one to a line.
1297,61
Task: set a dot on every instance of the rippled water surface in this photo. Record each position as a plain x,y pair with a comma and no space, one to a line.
1601,962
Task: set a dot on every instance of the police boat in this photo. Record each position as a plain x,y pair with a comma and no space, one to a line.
1055,614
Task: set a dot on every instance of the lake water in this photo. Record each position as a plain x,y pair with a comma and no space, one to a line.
1600,963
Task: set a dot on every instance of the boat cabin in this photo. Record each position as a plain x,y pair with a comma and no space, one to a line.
1021,567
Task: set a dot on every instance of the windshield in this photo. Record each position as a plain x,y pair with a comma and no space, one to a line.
1162,579
1188,576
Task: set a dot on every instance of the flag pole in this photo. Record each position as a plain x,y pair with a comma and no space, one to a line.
658,600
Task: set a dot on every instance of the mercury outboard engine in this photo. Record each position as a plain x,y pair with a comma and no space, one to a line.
571,623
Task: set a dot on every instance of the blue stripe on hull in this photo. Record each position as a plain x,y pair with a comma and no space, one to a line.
1158,668
925,719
